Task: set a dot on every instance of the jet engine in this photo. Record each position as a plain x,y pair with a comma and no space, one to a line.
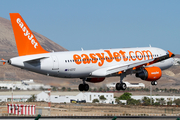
95,80
150,74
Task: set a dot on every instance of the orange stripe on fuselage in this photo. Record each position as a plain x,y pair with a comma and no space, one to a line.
111,56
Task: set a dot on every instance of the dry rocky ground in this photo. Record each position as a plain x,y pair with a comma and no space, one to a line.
98,109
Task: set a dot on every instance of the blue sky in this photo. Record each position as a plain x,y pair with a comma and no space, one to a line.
102,24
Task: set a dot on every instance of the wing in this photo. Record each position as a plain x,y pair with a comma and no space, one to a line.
122,68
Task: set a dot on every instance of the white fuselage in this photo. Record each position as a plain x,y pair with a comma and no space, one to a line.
79,64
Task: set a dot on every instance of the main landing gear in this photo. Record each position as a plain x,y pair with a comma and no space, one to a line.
154,83
84,86
121,85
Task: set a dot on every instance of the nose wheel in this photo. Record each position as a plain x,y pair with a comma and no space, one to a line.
154,83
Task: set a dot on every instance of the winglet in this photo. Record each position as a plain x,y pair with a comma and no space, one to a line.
170,54
26,42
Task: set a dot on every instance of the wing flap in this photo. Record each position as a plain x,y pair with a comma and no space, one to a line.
129,66
110,70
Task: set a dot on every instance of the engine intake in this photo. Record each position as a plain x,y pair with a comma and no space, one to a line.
150,74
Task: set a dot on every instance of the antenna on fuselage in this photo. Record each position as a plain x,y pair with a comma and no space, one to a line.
82,49
149,45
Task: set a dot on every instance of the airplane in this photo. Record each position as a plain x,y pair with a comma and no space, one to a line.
93,66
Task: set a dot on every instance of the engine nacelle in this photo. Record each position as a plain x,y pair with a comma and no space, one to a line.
150,74
95,80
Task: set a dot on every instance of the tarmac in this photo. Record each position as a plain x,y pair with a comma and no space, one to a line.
101,119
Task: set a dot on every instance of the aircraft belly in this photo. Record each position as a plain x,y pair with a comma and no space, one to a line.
76,71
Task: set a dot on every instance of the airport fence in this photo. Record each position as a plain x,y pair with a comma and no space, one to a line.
86,109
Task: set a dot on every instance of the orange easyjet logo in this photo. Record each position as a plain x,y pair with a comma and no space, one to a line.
27,33
100,58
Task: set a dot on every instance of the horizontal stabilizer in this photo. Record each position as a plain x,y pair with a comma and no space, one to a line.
36,59
4,61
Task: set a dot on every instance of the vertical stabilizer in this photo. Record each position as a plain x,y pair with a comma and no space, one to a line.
26,42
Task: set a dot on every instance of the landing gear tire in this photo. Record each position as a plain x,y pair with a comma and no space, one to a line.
154,83
121,86
83,87
118,86
86,87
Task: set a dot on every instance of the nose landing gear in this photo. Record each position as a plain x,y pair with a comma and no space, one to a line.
154,83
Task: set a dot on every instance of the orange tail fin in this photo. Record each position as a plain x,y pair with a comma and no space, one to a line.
26,42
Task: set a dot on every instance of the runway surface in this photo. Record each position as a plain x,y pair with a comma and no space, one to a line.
100,119
110,118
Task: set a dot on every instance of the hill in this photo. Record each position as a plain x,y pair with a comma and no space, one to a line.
177,56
